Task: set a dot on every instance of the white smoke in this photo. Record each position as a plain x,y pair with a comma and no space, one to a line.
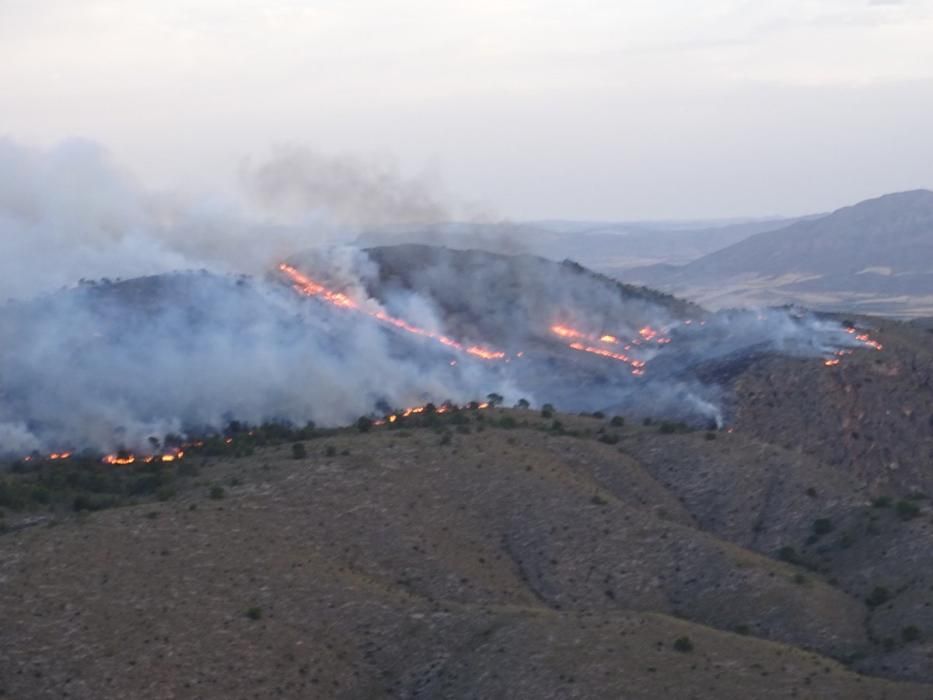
105,365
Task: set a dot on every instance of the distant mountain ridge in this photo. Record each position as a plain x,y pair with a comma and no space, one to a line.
863,254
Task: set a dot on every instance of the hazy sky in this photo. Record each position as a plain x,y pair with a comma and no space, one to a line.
587,109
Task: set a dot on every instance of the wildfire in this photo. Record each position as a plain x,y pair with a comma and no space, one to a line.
307,286
416,410
578,344
125,458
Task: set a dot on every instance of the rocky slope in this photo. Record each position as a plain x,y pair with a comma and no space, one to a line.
473,555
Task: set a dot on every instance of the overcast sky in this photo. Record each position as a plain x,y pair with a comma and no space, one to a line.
599,109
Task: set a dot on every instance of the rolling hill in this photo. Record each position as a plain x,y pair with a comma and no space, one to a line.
874,256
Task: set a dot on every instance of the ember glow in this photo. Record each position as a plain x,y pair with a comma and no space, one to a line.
307,286
417,410
125,458
578,344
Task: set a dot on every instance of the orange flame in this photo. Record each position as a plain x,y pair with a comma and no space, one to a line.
307,286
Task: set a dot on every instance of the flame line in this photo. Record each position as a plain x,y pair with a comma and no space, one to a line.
308,287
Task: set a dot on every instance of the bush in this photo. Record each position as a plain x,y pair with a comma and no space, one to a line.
363,424
522,403
683,645
609,439
907,510
331,451
599,414
710,435
881,502
299,451
547,411
617,421
822,526
507,422
879,596
216,493
254,613
445,439
165,493
911,633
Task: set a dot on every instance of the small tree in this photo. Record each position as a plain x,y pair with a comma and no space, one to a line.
494,399
522,403
683,645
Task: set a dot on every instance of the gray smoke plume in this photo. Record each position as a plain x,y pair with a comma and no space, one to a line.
204,330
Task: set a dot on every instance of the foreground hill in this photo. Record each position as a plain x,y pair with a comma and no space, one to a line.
874,255
472,555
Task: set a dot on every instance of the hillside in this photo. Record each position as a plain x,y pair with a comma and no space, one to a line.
874,256
607,247
471,555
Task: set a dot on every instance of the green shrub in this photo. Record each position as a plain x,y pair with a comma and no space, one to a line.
331,451
710,435
617,421
911,633
609,439
906,510
507,422
822,526
254,613
881,502
299,451
879,596
683,645
363,424
217,492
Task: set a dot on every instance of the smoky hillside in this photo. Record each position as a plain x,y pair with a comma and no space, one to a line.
339,333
